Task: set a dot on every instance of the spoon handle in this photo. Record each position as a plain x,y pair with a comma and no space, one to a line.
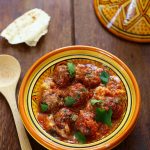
24,141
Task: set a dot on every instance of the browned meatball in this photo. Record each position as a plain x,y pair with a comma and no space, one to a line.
86,124
63,117
61,76
88,74
48,124
108,103
116,107
52,99
79,93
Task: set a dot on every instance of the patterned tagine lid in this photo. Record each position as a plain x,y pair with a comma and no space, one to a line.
129,19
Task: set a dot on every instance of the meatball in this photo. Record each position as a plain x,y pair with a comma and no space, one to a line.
52,99
102,92
50,95
48,124
61,76
117,111
113,103
63,119
86,124
116,107
114,83
48,83
63,116
103,128
88,74
79,93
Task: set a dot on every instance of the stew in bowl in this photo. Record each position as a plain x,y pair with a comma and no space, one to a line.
79,97
81,102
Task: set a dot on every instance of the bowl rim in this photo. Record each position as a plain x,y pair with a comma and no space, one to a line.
77,47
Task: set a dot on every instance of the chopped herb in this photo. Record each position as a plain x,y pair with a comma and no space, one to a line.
80,137
89,75
74,117
94,101
44,107
78,95
104,76
65,110
104,116
69,101
83,90
71,69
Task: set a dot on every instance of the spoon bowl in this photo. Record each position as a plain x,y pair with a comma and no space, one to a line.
9,70
9,75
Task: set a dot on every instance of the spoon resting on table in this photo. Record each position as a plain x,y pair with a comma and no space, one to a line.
9,75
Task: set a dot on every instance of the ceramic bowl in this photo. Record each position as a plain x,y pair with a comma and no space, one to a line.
29,91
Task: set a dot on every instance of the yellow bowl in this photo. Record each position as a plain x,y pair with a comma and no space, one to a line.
29,92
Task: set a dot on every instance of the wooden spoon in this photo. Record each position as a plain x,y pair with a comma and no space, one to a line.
9,75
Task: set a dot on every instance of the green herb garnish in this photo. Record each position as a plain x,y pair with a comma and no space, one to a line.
104,76
94,101
83,90
89,75
78,95
74,117
80,137
104,116
44,107
71,69
69,101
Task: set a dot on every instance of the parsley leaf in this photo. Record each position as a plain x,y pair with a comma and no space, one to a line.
69,101
78,96
80,137
104,76
104,116
94,101
44,107
71,69
74,117
83,90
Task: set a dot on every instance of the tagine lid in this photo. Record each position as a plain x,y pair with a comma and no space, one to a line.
128,19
